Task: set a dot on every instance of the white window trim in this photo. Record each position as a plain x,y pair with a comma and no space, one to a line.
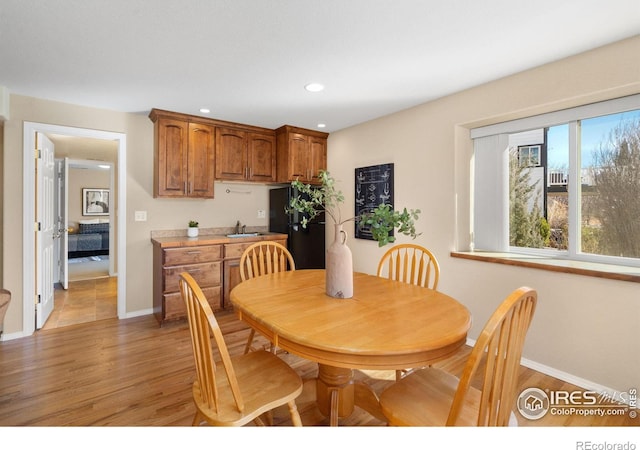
490,229
558,117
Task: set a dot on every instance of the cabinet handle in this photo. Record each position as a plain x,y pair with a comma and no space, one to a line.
193,270
194,252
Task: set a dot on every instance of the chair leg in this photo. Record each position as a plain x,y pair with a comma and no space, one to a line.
247,348
295,415
259,422
197,419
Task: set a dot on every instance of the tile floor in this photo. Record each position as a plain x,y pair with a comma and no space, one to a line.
84,301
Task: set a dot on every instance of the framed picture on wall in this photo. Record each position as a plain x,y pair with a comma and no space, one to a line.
374,186
95,202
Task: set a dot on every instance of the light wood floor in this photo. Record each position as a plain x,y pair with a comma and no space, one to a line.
132,372
85,301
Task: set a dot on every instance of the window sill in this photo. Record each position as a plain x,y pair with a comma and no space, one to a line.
609,271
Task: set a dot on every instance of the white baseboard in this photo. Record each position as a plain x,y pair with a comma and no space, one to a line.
11,336
563,376
142,312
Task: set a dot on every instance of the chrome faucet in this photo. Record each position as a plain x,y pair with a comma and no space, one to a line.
238,227
244,229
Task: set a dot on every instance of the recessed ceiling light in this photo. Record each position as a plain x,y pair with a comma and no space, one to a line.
314,87
321,125
205,110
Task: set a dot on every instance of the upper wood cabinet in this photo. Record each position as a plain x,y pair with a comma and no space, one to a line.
192,151
184,157
245,155
302,154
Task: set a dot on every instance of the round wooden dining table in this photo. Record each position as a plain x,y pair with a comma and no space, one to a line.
385,325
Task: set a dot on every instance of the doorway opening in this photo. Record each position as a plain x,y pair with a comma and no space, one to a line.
85,289
32,194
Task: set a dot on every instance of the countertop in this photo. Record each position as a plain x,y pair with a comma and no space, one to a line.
213,239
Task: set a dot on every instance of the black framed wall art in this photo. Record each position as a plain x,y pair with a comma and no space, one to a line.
373,187
95,202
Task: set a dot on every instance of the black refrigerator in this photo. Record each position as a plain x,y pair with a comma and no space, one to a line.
305,244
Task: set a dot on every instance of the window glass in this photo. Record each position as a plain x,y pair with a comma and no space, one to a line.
529,155
527,224
557,192
610,185
564,184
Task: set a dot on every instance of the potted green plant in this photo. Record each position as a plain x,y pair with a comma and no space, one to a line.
313,200
192,230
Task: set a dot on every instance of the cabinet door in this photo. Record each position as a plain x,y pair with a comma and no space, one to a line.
317,157
191,255
298,156
201,160
206,275
231,154
174,307
262,157
231,280
171,158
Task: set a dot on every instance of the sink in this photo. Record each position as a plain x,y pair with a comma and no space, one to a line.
238,235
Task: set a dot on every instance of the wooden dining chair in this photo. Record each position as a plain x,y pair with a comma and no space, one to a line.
412,264
433,397
250,384
263,258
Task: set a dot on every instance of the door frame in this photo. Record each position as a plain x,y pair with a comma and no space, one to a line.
74,163
28,202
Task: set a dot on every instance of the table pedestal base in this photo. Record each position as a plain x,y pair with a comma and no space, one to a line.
337,393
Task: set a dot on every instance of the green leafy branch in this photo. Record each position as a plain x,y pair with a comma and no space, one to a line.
381,220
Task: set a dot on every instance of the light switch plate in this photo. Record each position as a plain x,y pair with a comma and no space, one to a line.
261,214
140,216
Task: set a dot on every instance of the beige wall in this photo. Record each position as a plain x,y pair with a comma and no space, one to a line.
585,327
163,214
79,150
78,180
1,199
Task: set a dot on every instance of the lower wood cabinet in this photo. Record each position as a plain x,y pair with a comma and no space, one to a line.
214,263
231,270
204,263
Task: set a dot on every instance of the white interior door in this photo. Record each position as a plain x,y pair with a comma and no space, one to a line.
63,222
45,181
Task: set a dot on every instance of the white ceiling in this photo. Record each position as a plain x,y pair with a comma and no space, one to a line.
248,60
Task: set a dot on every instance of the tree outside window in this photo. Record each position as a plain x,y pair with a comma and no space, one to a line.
609,189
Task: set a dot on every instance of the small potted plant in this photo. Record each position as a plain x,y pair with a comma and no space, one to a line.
381,221
192,230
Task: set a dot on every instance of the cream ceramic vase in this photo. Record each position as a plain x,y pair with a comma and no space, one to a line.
339,270
192,231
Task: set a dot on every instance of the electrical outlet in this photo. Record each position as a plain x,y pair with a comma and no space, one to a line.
261,214
140,216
